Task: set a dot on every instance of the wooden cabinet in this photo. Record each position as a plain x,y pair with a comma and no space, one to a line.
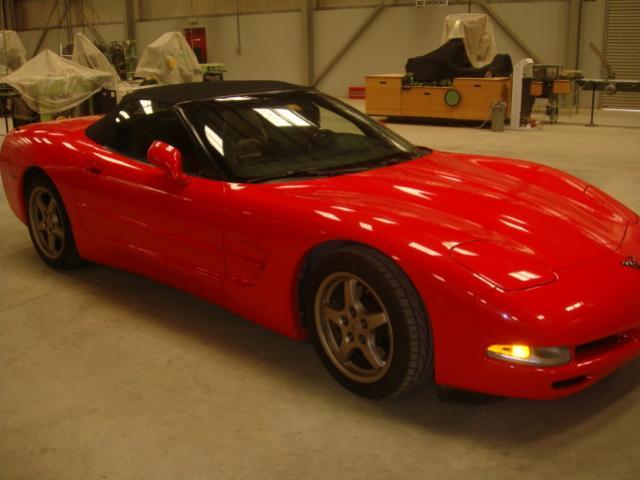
561,87
387,96
383,94
418,100
478,96
536,89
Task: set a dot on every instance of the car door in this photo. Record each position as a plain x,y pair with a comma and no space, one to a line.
139,218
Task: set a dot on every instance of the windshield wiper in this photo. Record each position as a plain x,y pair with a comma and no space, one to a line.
309,172
391,159
306,172
394,159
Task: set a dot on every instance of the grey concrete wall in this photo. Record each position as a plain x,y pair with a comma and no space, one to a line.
110,32
401,32
593,22
272,44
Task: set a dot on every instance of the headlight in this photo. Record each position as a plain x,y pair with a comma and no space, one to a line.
535,356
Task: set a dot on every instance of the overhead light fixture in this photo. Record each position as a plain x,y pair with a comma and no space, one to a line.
214,139
273,117
234,99
146,106
283,117
293,117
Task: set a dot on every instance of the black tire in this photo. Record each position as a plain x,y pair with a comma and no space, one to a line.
411,362
67,257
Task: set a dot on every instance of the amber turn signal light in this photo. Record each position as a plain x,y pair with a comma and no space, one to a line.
535,356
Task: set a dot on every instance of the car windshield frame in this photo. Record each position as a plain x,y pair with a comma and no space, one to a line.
387,146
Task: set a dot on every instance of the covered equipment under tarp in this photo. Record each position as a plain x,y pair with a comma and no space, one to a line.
50,84
88,55
12,51
169,60
468,50
450,61
476,31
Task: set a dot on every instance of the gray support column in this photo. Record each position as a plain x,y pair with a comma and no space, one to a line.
129,20
9,15
308,39
573,47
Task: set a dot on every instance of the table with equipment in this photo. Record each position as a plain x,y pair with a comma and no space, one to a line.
607,86
464,99
212,71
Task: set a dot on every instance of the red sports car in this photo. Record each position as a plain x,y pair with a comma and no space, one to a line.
300,213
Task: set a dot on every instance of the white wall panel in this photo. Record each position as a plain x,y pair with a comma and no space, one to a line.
272,43
162,9
397,33
31,14
403,32
55,36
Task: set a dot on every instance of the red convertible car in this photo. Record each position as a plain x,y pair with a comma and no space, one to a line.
300,213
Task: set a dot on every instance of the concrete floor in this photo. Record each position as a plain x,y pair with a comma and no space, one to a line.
108,375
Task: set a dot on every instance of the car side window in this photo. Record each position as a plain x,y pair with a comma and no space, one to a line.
141,122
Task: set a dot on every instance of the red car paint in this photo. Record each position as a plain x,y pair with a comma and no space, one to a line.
501,251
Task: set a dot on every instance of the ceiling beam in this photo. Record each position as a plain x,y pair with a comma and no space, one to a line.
353,39
46,27
510,31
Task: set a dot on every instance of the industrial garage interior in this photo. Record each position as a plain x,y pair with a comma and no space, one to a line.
106,374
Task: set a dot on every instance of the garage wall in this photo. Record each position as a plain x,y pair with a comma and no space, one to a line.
403,32
272,43
158,9
32,14
113,31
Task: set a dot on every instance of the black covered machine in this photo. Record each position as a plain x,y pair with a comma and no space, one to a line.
451,61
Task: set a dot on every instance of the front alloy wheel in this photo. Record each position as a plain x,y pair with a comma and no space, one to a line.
354,327
367,323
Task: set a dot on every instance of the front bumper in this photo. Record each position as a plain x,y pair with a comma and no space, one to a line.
593,308
590,364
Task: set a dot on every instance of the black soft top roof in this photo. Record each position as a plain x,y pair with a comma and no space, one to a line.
184,92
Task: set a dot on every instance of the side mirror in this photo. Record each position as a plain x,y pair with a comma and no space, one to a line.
168,159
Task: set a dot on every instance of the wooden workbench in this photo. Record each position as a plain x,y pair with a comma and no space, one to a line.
385,95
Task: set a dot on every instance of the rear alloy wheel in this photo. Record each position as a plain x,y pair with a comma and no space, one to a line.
369,326
49,225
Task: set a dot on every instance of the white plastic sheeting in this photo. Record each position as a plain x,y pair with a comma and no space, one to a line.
169,59
128,86
476,31
87,54
12,51
49,83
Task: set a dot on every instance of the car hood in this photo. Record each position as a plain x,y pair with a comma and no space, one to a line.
453,199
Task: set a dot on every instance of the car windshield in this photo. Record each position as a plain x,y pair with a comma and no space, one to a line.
268,137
